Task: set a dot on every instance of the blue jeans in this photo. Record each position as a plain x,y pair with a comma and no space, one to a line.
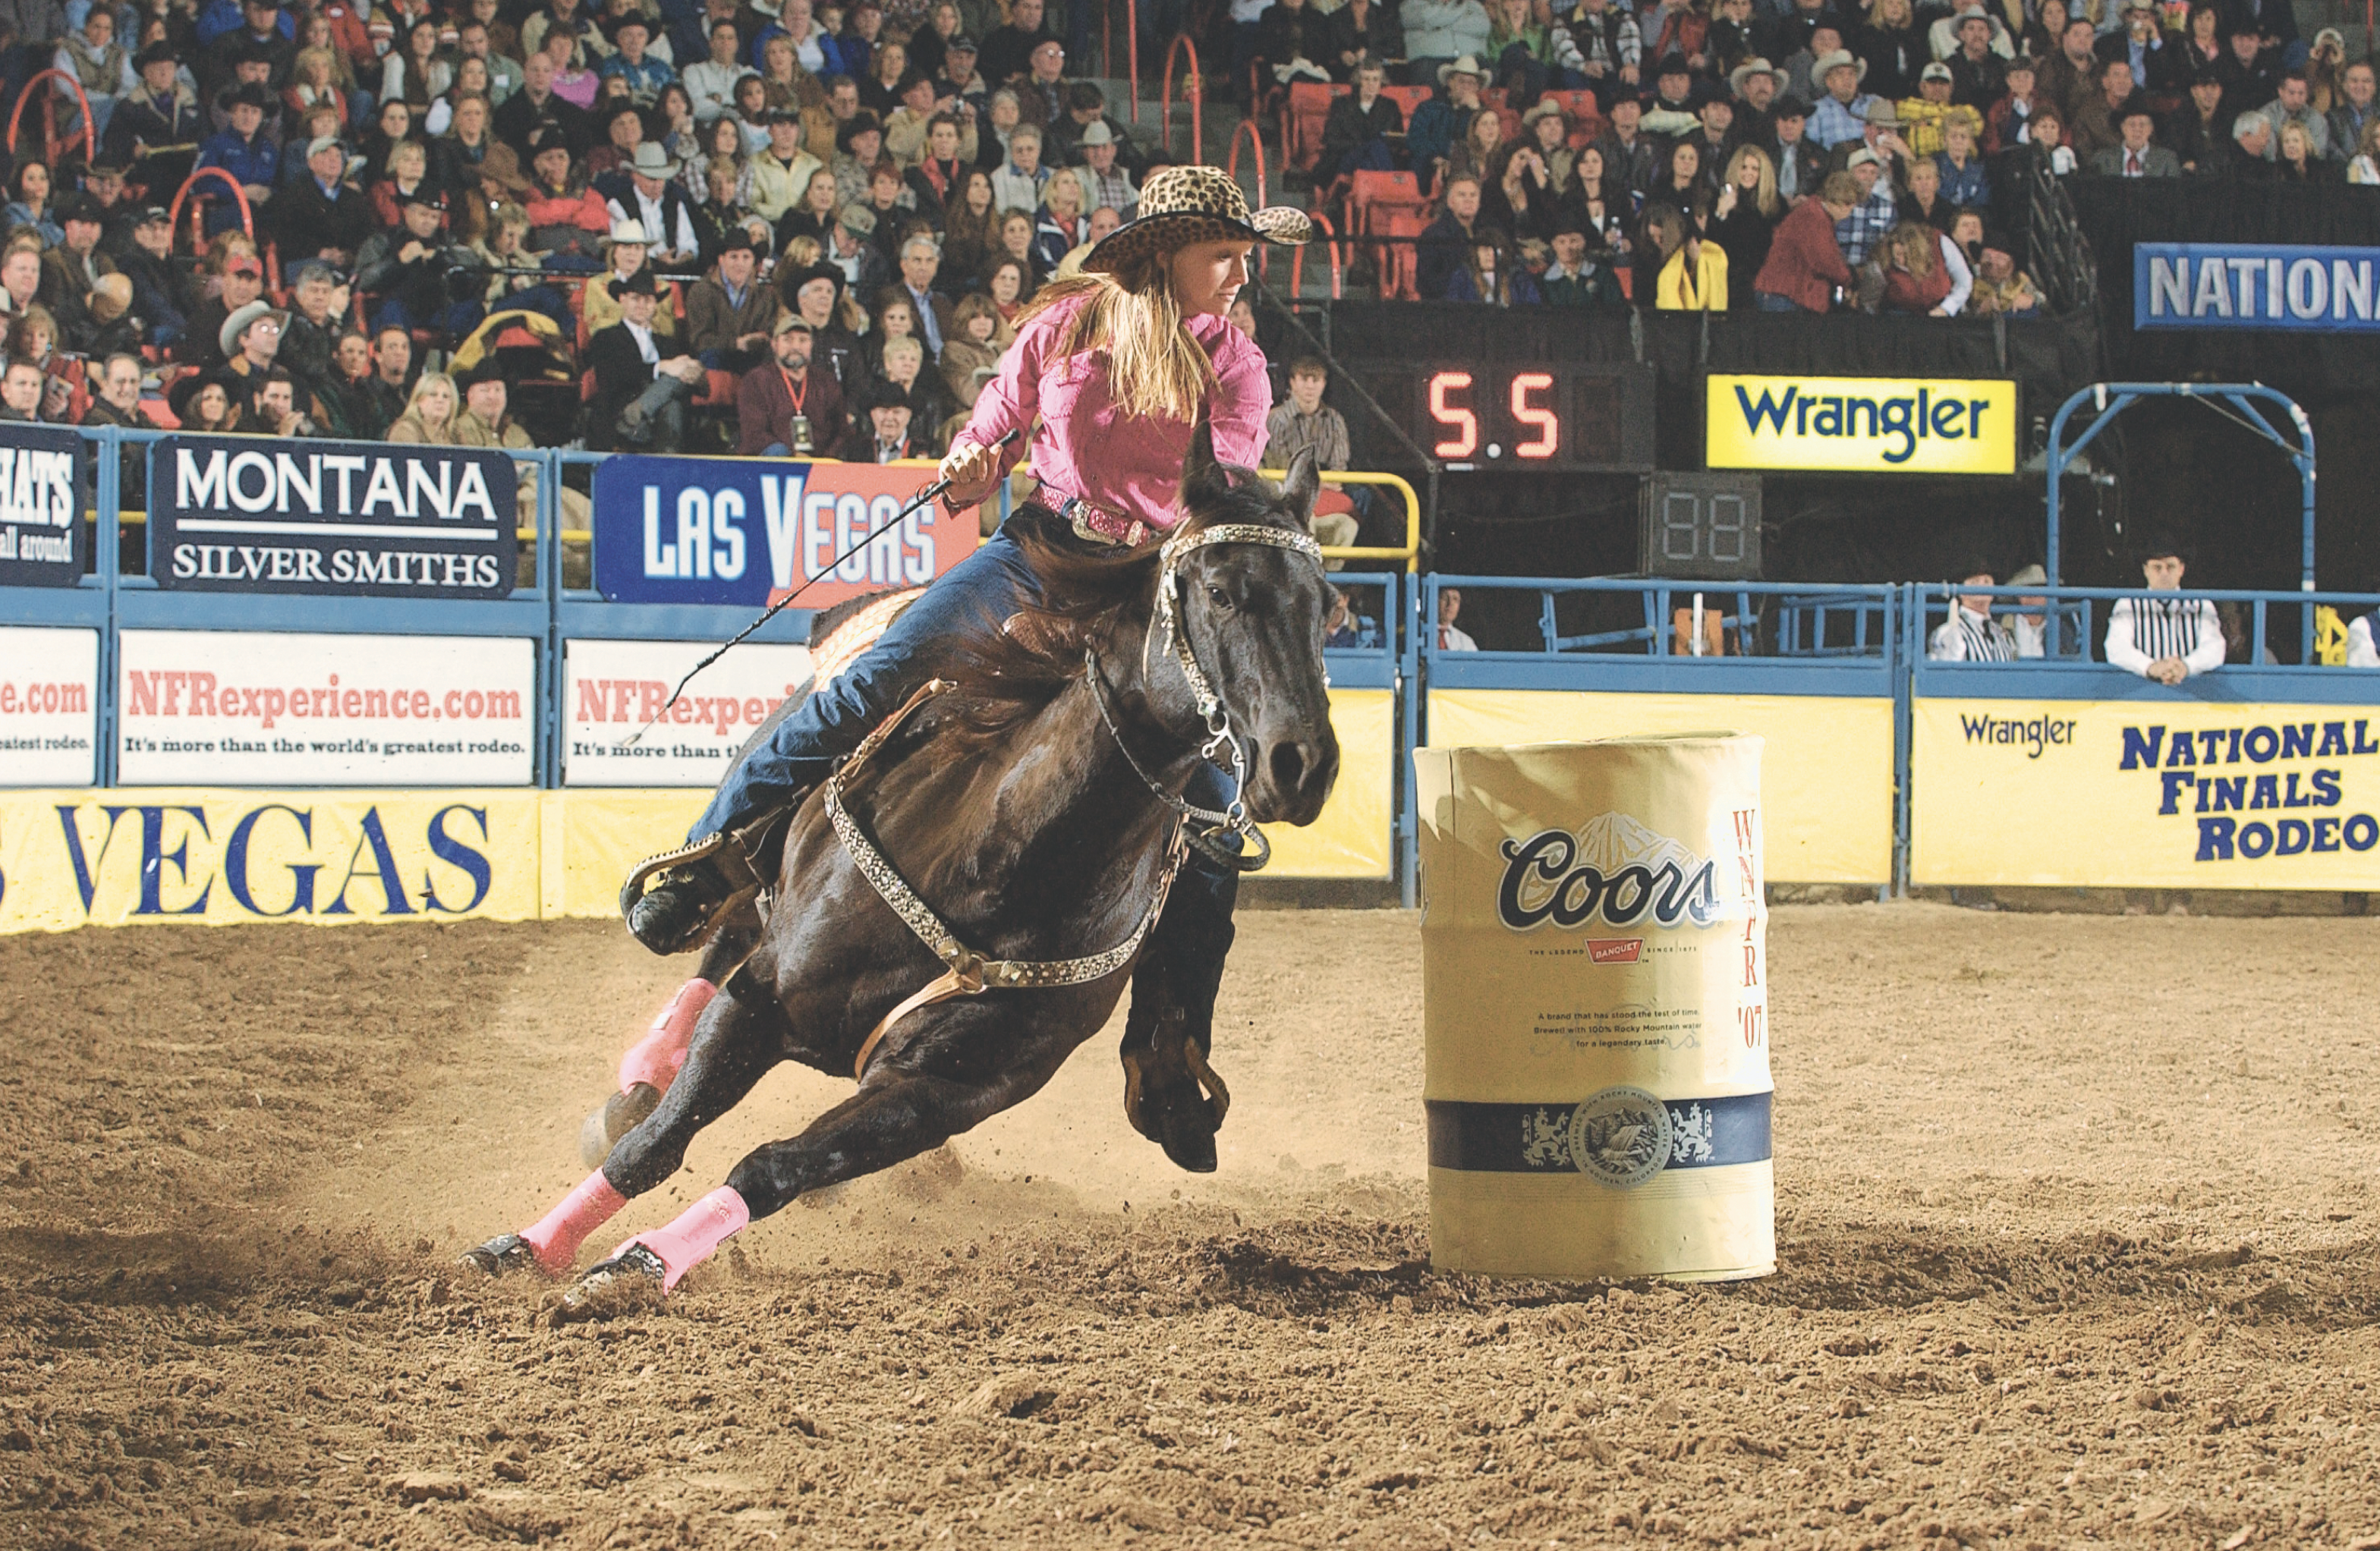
1771,302
972,597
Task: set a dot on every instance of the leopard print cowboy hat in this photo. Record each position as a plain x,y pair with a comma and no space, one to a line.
1182,205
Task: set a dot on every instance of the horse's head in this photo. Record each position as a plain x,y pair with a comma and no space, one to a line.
1253,615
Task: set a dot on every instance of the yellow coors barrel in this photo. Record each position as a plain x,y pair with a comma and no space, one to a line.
1595,1009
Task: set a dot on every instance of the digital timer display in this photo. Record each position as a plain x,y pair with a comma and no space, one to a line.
1521,414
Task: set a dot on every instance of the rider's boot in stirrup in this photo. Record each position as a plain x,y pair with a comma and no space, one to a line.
691,888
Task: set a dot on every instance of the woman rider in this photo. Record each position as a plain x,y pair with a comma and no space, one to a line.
1109,374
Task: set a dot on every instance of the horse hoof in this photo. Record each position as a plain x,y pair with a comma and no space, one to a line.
630,1281
502,1255
1186,1123
614,1119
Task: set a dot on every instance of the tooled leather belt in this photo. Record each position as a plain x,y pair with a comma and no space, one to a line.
1094,522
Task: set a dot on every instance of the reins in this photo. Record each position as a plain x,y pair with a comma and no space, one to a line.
968,973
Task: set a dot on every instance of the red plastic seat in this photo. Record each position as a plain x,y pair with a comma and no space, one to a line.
1407,98
1398,263
1302,118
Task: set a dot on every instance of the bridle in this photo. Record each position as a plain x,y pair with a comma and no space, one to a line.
968,973
1200,825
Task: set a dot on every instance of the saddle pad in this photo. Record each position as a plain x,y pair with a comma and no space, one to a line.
856,634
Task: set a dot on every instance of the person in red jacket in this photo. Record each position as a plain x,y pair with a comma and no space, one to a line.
1805,263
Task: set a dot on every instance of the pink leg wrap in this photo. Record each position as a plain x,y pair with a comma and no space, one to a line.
590,1204
700,1229
656,1058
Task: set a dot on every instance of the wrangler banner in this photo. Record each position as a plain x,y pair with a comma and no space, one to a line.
2114,793
1861,425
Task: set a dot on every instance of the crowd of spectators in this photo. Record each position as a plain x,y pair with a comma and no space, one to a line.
808,226
1797,155
811,226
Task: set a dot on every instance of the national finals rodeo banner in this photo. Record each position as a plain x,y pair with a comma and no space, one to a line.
2160,795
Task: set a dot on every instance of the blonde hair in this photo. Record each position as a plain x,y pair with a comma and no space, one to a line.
427,381
1155,368
1764,196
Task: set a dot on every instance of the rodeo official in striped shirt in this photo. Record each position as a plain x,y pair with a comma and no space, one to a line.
1971,634
2165,639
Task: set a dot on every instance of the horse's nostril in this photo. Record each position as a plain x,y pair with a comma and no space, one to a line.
1288,762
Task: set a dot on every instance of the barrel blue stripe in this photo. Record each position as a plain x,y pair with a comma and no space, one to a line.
1528,1138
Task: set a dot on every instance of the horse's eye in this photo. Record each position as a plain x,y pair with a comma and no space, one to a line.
1215,595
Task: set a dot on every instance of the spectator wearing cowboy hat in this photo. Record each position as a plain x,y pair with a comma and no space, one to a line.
202,342
1801,164
1754,85
854,253
323,216
2141,44
245,152
1582,273
626,249
160,111
642,390
72,269
1978,74
2136,156
730,310
858,144
250,341
1842,114
655,200
645,75
884,434
164,294
1881,134
1440,123
411,269
791,405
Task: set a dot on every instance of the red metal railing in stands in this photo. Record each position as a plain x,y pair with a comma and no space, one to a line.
90,144
239,196
1298,260
1194,91
1255,144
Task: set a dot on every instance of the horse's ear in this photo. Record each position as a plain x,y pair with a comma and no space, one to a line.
1202,477
1304,482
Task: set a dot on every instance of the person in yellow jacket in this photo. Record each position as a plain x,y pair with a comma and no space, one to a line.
1692,276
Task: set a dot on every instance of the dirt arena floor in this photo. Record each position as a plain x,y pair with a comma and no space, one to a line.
2076,1223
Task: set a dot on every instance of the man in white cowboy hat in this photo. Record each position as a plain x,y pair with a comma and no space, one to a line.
1755,84
1438,32
625,250
656,201
1943,37
250,341
1841,114
1105,183
1440,123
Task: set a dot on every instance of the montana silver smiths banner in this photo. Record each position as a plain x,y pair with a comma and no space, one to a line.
2254,285
745,530
244,513
42,531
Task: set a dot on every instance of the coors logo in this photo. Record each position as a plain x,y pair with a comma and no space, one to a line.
1614,868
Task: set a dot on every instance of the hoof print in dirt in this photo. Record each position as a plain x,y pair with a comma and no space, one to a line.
1011,1397
424,1487
502,1256
630,1282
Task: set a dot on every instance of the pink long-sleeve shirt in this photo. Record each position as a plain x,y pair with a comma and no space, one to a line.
1084,445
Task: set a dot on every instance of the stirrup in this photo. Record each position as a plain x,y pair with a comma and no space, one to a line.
724,856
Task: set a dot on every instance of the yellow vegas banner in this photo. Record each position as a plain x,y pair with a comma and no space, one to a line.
1826,777
1861,425
2120,794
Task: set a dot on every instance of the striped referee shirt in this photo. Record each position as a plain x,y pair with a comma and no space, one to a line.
1968,636
2142,631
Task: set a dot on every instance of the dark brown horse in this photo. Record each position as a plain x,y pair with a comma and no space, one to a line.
1033,814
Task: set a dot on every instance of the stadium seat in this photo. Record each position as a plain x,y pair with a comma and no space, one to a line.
1301,117
1408,98
719,390
1398,263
